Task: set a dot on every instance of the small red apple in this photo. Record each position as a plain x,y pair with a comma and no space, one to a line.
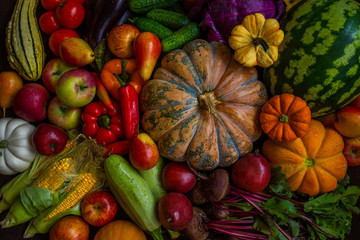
251,172
70,227
98,208
30,102
143,151
351,151
175,211
348,121
177,177
49,139
328,120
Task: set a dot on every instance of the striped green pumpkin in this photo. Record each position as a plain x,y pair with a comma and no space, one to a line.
319,56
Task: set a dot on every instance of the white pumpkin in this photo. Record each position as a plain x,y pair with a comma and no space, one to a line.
16,149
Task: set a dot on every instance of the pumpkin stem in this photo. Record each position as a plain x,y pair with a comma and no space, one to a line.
262,42
309,162
208,101
4,144
283,118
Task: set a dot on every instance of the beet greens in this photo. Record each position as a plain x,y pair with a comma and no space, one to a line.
278,213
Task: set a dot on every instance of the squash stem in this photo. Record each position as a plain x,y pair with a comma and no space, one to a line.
262,42
4,144
283,118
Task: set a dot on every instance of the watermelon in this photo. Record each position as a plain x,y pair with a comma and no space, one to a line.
319,56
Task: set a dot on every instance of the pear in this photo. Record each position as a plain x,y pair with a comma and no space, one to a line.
76,52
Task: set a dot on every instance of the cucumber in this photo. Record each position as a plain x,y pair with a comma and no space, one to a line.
149,25
152,177
168,18
132,193
143,6
182,36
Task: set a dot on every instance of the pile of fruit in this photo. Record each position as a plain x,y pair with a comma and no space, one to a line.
144,119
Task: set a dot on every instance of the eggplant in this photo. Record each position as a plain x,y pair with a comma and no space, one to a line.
106,16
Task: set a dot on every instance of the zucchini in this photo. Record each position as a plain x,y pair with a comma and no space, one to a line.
168,18
24,45
149,25
182,36
143,6
133,194
152,177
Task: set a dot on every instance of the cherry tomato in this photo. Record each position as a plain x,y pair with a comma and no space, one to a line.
50,5
48,22
70,14
58,36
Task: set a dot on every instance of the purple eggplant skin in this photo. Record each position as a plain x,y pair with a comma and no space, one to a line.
106,16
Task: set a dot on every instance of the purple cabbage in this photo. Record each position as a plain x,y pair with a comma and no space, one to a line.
219,17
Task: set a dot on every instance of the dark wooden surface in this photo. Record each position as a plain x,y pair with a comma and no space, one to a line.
15,233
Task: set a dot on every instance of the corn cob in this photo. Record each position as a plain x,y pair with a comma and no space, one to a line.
10,191
55,176
70,204
79,189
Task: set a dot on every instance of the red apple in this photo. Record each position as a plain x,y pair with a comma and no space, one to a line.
52,71
63,116
98,208
177,177
30,102
175,211
348,122
328,120
356,102
143,152
70,227
351,151
49,139
76,88
251,172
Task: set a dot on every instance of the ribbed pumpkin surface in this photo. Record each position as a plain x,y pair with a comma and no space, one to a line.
312,164
319,56
202,106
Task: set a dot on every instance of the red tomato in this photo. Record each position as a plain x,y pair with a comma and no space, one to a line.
70,14
48,22
80,1
58,36
50,5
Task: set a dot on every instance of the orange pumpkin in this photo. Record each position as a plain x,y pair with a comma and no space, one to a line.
312,164
202,106
120,230
285,117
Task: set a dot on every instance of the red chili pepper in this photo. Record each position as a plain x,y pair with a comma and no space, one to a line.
101,92
120,147
103,124
129,102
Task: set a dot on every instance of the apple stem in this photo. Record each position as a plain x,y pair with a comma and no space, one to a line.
4,144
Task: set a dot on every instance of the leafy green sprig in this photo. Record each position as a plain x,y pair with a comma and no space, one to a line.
279,213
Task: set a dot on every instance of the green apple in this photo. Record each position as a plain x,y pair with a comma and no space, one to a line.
63,116
76,88
52,72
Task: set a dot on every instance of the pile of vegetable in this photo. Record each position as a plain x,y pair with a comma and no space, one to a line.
180,119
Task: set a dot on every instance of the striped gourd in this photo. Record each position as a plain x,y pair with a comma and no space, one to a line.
23,42
319,57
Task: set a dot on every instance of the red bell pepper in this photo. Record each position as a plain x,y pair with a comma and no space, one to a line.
120,147
103,124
